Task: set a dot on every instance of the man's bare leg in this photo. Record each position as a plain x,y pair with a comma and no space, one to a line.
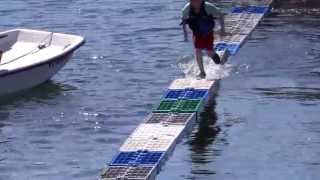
200,63
214,56
1,52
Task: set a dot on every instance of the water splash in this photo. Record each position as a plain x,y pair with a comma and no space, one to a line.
189,67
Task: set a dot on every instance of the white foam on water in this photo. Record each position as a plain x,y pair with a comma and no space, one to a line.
189,67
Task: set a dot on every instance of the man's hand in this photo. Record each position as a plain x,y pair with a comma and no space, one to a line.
185,33
186,37
222,30
222,33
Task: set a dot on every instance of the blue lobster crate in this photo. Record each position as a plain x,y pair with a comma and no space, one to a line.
186,94
251,9
136,158
238,10
257,9
231,47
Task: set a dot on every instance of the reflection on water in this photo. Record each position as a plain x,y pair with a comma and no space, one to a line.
295,93
293,67
203,139
205,134
202,143
42,93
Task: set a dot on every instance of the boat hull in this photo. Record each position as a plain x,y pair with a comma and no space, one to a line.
11,82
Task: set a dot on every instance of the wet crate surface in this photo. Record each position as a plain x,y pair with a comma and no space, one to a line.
242,27
191,83
232,48
251,9
158,117
139,172
238,39
237,19
188,93
182,105
114,172
252,17
137,158
257,10
167,105
150,144
189,105
170,118
157,131
181,84
239,30
127,172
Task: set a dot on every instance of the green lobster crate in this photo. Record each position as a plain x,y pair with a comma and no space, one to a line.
180,106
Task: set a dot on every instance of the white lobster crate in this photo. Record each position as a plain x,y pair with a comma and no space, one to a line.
202,84
181,83
261,2
151,144
245,29
255,17
192,83
242,26
232,16
158,131
230,39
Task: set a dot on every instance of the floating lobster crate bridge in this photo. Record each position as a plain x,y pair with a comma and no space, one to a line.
145,151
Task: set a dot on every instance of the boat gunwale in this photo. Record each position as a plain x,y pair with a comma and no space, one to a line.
4,72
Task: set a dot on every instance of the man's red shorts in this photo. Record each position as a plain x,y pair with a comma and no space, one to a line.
203,41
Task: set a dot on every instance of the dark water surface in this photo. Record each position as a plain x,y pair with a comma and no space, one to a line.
264,122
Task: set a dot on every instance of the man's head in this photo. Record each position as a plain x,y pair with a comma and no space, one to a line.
196,3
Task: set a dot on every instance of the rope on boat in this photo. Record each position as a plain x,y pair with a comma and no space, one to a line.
41,45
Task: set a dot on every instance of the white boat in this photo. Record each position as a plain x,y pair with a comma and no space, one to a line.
31,57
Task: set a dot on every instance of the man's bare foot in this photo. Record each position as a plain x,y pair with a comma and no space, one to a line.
216,58
202,75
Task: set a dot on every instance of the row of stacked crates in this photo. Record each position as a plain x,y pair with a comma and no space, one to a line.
147,148
240,22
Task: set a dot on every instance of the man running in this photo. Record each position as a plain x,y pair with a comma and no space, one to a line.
200,15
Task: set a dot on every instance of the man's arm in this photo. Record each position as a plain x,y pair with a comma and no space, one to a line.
185,14
223,30
216,12
185,32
